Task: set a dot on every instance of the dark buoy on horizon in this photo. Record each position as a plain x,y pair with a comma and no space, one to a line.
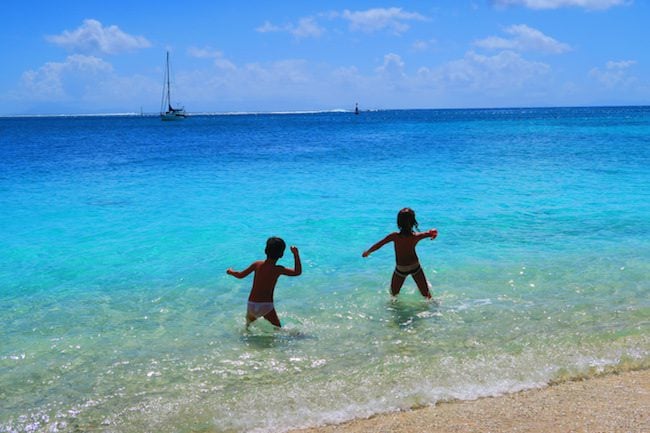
356,108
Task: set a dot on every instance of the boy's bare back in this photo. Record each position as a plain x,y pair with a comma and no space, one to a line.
266,277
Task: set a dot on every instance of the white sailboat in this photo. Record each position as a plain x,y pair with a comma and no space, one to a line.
167,112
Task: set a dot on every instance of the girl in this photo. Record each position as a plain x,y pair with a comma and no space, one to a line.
406,259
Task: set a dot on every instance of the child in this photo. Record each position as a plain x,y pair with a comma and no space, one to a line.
405,256
260,301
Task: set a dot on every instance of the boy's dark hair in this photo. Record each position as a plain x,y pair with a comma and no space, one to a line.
274,248
406,220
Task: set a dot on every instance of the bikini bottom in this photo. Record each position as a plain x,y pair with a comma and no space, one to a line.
406,270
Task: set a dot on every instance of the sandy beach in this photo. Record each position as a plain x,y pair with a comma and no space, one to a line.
612,403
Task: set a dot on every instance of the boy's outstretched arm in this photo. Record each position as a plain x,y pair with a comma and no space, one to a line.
378,245
297,266
242,274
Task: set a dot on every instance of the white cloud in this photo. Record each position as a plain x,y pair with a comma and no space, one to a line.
347,75
204,53
392,69
92,37
373,20
622,64
292,84
369,21
307,27
53,80
267,27
208,53
85,84
290,72
524,38
256,78
421,45
281,85
556,4
503,72
614,74
502,79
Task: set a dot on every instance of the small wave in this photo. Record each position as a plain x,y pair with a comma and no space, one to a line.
600,368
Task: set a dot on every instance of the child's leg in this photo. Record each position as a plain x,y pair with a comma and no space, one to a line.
272,317
396,284
249,318
421,281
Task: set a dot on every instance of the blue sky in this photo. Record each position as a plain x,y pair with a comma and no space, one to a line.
230,56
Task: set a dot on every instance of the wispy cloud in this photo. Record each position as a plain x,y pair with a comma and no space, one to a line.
267,27
524,38
49,81
373,20
306,27
392,68
421,45
253,83
85,83
475,72
208,53
93,37
556,4
285,72
395,20
614,74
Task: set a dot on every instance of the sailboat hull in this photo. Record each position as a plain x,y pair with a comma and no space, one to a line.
173,115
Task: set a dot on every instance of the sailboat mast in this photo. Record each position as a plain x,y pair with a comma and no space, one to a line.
169,98
169,112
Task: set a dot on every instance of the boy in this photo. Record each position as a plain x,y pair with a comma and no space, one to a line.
267,272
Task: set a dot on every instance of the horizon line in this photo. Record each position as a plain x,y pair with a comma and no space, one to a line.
289,112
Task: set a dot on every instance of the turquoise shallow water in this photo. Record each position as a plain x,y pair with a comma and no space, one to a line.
117,314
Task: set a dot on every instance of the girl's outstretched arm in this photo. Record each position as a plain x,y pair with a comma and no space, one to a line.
244,273
297,266
428,234
378,245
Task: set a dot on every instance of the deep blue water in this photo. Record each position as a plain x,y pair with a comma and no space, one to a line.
117,314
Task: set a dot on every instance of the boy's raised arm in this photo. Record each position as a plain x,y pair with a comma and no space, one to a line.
242,274
297,266
378,245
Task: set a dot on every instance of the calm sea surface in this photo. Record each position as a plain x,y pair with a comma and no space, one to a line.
116,314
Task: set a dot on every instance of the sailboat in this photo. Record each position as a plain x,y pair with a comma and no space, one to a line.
167,112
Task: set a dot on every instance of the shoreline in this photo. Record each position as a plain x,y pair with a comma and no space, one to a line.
616,402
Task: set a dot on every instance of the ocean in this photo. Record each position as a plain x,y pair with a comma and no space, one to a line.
116,232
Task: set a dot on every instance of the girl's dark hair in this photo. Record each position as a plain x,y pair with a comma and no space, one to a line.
406,220
274,248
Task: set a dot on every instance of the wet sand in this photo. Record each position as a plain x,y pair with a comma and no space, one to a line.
612,403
